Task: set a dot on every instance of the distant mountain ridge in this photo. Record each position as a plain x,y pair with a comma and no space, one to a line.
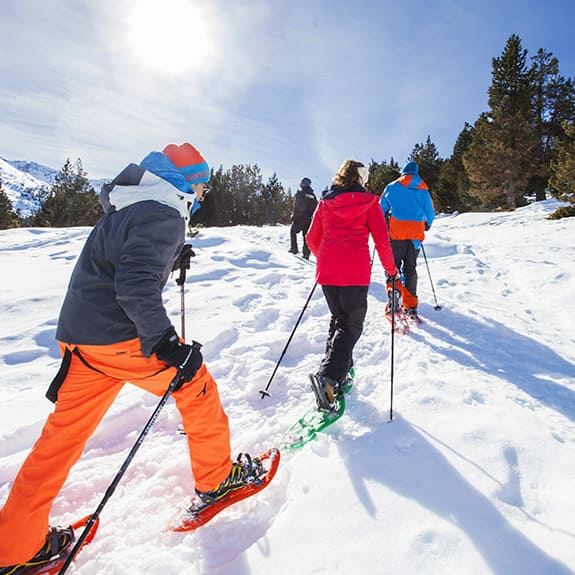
26,182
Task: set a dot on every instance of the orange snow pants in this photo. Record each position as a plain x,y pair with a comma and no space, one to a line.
83,399
407,298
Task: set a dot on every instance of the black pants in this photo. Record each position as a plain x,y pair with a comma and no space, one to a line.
296,228
348,306
405,256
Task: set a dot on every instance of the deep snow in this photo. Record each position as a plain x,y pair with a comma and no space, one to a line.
474,474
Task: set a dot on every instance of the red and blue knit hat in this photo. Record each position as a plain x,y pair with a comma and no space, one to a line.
189,161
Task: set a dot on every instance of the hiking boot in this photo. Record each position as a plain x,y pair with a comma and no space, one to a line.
327,390
244,471
348,381
394,300
411,312
57,541
292,251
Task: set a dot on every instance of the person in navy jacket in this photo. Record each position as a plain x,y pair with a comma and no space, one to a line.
339,239
408,206
113,329
305,203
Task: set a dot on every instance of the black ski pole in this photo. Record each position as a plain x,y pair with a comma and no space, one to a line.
392,344
437,306
181,283
265,392
119,475
182,264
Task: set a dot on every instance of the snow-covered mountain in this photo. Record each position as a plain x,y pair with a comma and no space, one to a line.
25,182
25,191
38,171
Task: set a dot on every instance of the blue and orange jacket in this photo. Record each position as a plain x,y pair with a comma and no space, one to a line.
408,203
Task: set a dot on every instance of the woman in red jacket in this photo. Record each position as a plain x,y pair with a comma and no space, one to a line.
339,239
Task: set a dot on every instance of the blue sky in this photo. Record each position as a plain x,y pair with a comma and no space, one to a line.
295,86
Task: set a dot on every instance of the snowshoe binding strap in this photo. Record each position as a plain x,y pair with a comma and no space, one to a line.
245,470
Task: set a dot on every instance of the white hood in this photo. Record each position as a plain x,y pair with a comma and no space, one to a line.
151,187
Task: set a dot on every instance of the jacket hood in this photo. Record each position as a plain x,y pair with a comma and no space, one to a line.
160,165
348,203
135,184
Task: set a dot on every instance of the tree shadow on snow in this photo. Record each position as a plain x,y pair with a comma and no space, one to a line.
411,466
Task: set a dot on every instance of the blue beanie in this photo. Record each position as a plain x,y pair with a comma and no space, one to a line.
160,165
410,168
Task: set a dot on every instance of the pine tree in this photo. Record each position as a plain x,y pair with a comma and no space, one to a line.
553,104
238,197
245,182
275,202
452,190
71,201
382,174
429,162
8,217
502,156
563,172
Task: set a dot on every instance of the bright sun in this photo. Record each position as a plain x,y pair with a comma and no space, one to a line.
171,36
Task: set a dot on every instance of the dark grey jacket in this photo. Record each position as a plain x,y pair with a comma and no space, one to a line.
305,203
115,292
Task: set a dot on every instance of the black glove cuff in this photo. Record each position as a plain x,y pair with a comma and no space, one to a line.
167,344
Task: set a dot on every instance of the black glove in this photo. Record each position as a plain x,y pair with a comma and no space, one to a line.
187,359
427,226
183,260
390,279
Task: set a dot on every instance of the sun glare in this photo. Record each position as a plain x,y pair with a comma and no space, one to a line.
172,36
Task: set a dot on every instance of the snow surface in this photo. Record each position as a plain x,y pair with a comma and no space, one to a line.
474,474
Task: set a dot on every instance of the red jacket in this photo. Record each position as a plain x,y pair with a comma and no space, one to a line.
339,237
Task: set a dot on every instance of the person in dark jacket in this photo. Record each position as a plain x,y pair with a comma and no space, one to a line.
305,203
339,239
113,328
408,205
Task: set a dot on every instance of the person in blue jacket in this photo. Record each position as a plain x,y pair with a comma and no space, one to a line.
408,206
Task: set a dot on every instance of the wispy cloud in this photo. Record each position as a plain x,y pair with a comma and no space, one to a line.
291,85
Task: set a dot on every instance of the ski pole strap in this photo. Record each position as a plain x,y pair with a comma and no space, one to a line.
182,279
60,377
52,393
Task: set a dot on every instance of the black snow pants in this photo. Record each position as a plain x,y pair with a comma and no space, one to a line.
348,307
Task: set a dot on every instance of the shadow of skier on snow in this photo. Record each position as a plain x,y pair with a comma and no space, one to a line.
410,465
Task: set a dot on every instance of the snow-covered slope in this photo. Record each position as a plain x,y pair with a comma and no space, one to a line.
474,473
